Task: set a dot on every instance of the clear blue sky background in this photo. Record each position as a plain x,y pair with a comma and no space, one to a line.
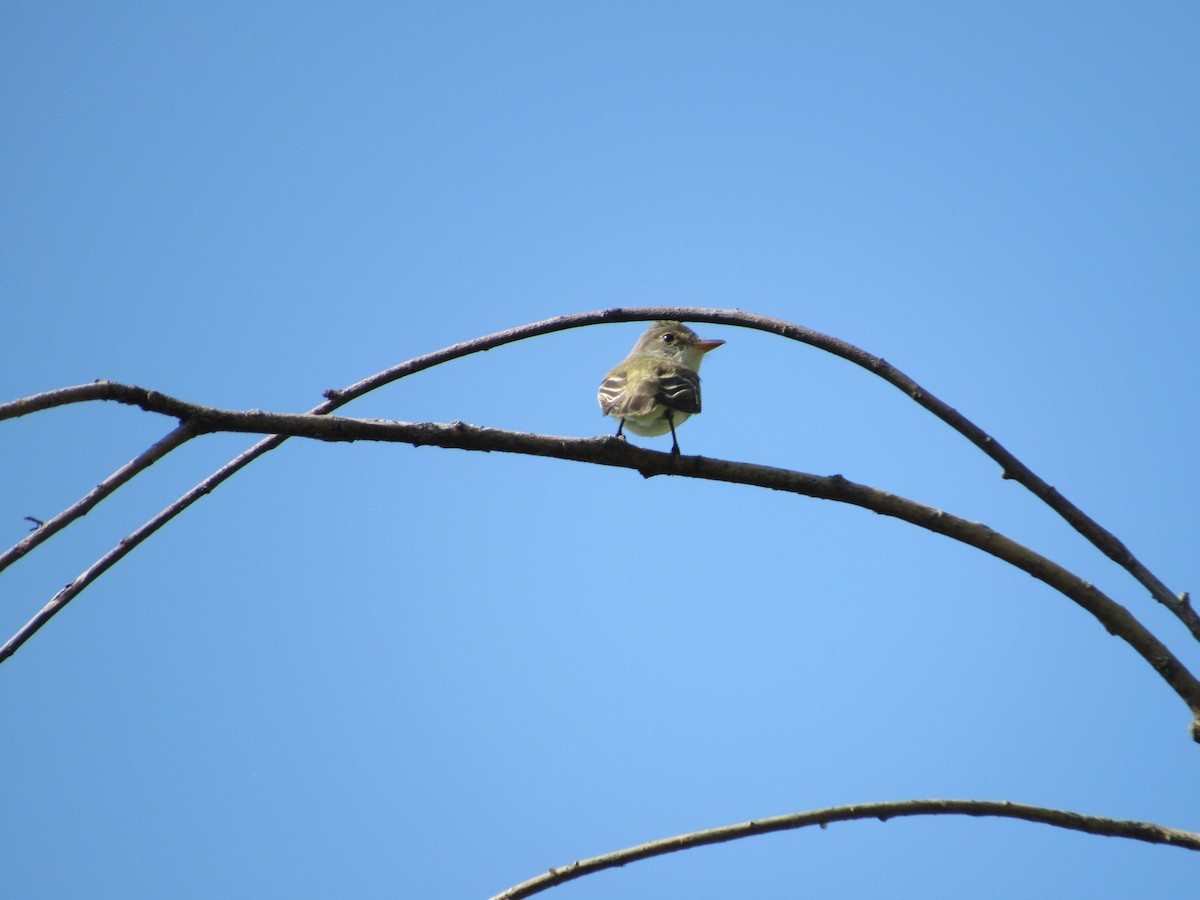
375,671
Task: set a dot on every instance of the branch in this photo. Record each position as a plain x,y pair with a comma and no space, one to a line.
82,393
84,505
1122,828
1012,468
610,451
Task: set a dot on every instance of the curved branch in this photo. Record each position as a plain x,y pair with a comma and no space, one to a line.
1122,828
1012,468
612,451
79,393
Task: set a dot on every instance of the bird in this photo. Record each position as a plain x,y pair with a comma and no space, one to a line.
657,386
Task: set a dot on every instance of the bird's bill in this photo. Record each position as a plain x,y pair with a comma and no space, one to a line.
705,346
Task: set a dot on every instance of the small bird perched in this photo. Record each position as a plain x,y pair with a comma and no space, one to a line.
657,386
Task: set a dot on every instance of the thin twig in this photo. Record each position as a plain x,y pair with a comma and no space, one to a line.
614,452
1122,828
46,530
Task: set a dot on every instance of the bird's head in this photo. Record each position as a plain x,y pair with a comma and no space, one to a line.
676,342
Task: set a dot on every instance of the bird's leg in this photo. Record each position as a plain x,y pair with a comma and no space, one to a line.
621,428
674,440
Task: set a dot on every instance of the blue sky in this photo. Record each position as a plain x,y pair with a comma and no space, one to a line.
376,671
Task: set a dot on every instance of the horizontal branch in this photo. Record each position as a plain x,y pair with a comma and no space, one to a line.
1121,828
610,451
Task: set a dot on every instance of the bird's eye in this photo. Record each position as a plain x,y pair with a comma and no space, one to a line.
668,338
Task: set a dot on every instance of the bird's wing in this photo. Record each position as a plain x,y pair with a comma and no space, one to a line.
618,397
673,386
680,389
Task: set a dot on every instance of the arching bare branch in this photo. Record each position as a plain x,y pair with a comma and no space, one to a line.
1011,467
1121,828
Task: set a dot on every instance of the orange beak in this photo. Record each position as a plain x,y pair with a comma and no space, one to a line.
705,346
